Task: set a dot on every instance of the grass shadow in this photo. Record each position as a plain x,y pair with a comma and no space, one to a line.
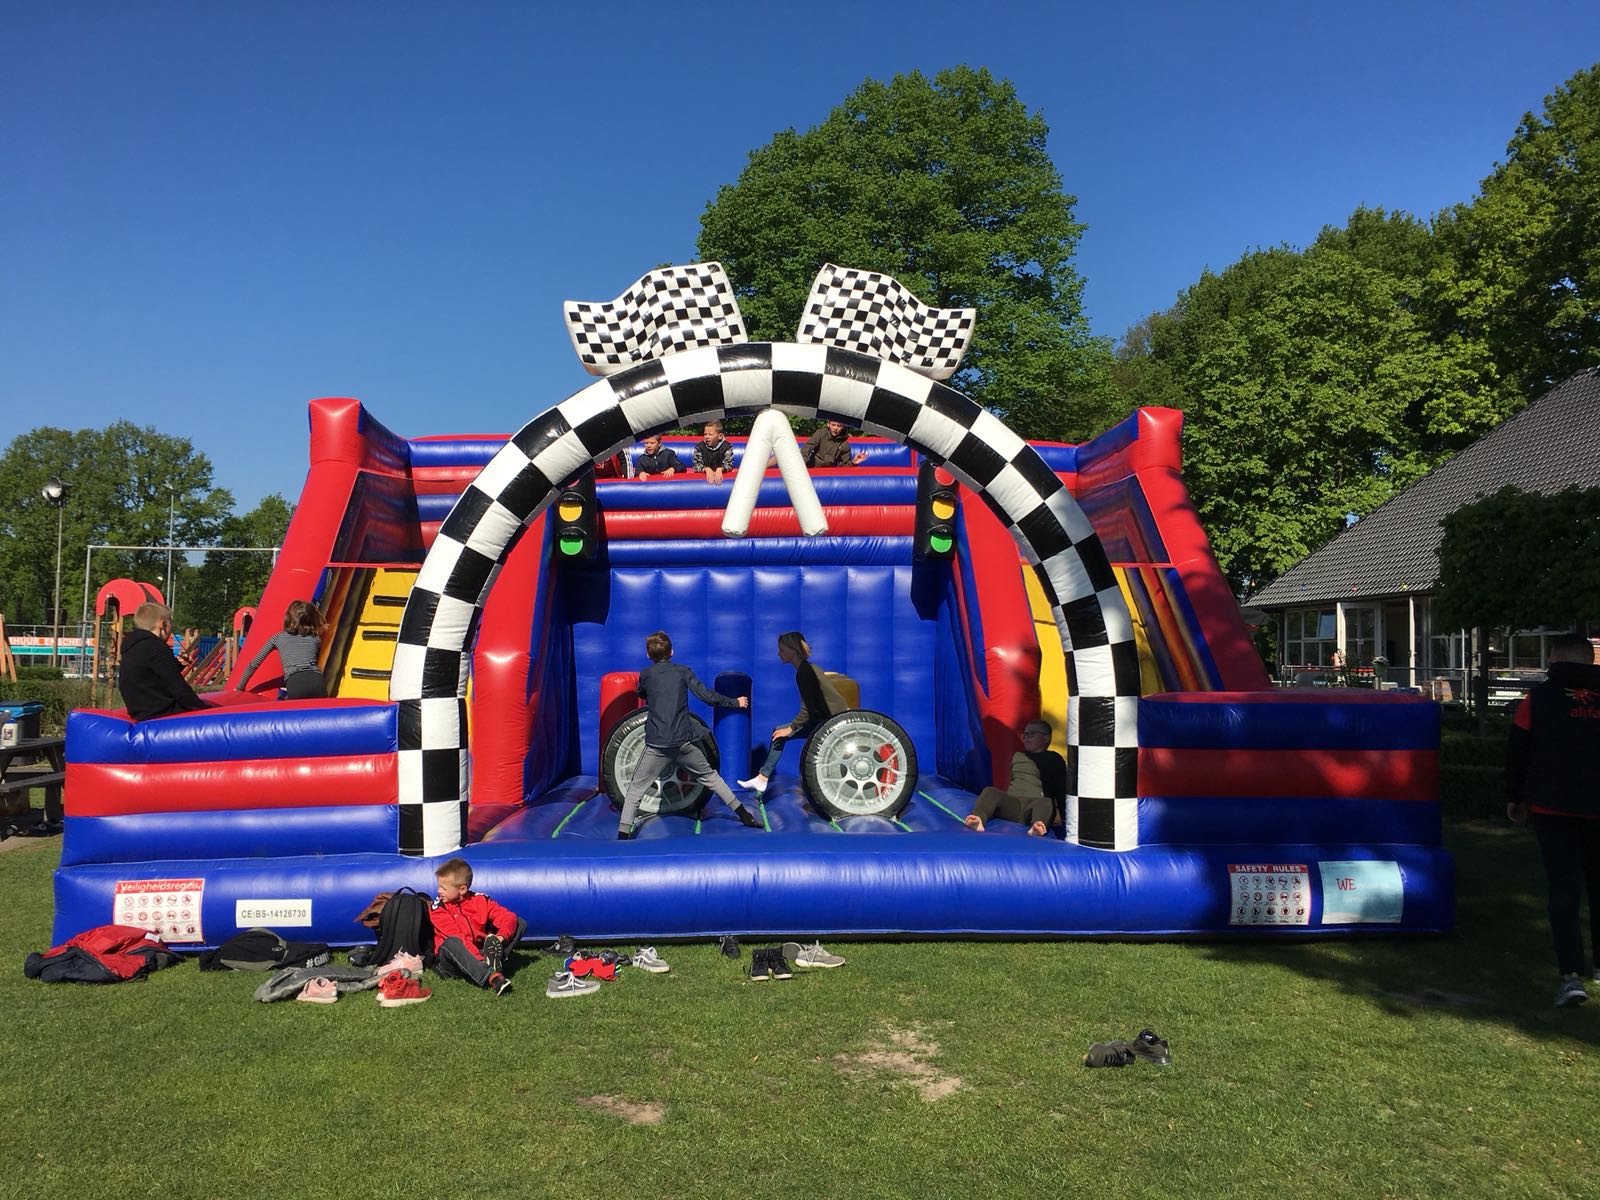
1498,967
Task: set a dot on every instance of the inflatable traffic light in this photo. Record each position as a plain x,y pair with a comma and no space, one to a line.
935,534
578,520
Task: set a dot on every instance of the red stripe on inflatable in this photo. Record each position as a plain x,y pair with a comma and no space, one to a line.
504,699
1312,774
1155,459
1172,632
111,789
857,520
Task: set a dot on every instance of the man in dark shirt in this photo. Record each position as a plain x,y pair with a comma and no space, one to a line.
669,737
656,460
1553,779
830,447
150,680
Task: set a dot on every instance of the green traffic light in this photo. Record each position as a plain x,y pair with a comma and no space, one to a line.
571,545
941,542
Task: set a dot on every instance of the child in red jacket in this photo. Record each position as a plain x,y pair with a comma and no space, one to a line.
471,933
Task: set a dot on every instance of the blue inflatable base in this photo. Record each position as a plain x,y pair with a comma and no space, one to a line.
558,865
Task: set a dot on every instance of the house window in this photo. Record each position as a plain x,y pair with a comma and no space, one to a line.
1308,639
1360,636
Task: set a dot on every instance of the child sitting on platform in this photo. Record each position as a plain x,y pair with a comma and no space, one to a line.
1038,786
713,453
297,646
471,933
669,738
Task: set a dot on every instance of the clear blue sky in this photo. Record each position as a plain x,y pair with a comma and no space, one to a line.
212,212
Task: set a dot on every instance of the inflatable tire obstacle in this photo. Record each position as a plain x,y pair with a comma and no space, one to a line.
672,793
859,763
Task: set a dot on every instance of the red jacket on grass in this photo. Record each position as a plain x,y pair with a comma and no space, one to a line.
471,918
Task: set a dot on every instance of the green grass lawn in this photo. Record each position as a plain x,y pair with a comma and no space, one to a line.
1411,1067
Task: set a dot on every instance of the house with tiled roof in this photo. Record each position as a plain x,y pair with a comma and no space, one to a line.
1368,592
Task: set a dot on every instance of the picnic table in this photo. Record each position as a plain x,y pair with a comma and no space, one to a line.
27,764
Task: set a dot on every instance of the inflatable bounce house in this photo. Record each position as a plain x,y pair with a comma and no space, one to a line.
489,600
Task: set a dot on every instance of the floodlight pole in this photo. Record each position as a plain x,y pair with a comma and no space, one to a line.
55,494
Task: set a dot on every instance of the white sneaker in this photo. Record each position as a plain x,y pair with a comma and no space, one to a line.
810,956
757,785
646,959
565,983
1572,993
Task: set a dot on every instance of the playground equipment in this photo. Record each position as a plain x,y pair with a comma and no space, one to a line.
489,598
114,604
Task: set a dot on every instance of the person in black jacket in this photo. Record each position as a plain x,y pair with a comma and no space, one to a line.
669,738
150,680
1553,779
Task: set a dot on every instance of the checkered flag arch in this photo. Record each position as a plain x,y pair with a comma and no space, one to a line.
670,310
877,315
431,656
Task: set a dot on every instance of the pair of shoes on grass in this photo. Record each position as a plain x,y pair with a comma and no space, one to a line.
1572,993
769,963
1147,1047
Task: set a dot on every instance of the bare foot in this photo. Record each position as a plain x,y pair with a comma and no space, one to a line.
972,822
1037,829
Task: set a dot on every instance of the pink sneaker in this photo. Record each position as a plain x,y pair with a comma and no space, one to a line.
406,964
319,991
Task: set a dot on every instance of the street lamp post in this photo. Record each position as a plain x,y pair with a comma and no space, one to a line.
55,493
172,508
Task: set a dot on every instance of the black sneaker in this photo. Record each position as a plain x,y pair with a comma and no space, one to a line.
1109,1054
498,984
729,946
562,947
494,953
760,967
1151,1049
779,964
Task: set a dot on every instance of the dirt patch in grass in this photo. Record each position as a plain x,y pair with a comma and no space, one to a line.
902,1055
637,1112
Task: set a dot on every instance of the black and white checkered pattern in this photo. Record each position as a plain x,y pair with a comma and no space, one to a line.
875,314
430,663
665,312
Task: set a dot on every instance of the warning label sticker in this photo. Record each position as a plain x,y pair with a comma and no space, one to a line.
1269,894
168,908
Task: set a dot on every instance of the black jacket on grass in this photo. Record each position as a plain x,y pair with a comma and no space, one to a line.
151,681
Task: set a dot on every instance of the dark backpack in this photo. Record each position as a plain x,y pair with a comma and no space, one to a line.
404,927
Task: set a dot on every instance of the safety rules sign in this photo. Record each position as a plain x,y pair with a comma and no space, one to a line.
1270,894
168,908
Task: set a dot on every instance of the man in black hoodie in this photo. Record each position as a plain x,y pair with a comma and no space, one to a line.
150,680
1553,777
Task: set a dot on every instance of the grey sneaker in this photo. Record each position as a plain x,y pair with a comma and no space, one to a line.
1571,993
810,956
565,983
494,953
646,959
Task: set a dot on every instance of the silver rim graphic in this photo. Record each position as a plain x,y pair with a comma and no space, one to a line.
863,765
673,792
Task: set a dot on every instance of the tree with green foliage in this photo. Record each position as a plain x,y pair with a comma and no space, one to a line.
121,481
225,582
1519,560
1310,387
946,184
1516,288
